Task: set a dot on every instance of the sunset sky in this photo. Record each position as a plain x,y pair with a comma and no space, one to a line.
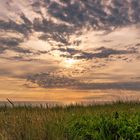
69,51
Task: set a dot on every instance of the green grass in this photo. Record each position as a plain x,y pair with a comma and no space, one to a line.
119,121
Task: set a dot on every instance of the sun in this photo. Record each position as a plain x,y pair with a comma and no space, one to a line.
69,62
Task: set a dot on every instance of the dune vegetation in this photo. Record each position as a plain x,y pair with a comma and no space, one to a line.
118,121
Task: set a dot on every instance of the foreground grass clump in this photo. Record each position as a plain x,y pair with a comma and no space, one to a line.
119,121
109,127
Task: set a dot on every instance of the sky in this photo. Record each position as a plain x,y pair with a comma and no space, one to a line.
69,51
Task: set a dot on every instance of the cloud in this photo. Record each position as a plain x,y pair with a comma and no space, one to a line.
55,21
13,26
61,18
47,80
2,49
114,85
101,52
71,51
10,41
96,13
13,46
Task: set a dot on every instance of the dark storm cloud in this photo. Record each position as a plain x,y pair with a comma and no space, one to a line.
15,49
79,12
19,58
71,51
20,50
13,26
22,54
101,52
114,85
106,52
2,49
12,44
59,37
76,13
47,80
10,41
48,26
53,31
26,21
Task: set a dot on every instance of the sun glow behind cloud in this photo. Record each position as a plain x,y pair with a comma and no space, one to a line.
69,62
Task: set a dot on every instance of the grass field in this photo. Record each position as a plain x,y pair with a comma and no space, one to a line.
119,121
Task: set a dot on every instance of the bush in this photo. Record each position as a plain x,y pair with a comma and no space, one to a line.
117,126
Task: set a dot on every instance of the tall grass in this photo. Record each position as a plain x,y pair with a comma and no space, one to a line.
118,121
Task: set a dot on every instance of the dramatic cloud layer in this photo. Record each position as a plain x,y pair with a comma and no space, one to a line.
71,43
58,19
101,52
47,80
